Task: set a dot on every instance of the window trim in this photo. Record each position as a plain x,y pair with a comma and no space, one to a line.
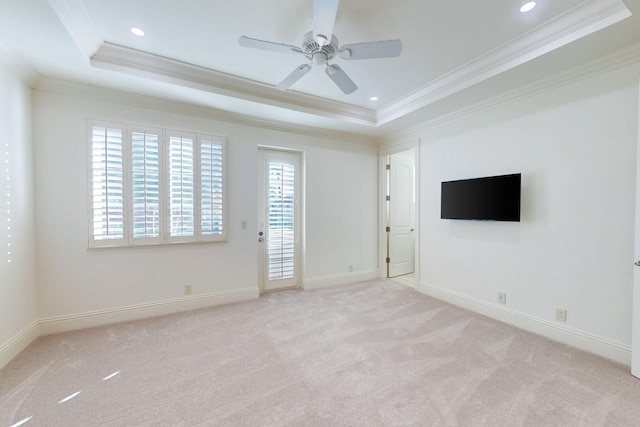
165,238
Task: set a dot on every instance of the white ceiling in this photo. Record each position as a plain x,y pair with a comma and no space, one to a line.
454,53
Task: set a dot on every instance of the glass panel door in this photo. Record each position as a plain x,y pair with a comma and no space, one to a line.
279,225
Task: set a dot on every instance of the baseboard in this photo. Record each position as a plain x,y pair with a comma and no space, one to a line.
10,349
71,322
608,349
339,279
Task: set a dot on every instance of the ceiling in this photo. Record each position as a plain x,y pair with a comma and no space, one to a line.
454,54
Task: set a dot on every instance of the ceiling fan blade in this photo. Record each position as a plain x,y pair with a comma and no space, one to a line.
341,79
324,17
265,45
294,77
370,50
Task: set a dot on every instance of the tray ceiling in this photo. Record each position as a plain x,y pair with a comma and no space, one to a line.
190,51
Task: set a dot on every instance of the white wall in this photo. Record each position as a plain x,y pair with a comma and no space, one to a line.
18,301
341,198
576,148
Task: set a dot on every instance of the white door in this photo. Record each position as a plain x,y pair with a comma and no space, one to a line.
635,338
279,220
401,214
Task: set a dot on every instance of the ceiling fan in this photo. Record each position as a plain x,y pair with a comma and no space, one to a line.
320,46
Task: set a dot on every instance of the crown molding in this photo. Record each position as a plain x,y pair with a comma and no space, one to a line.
144,64
576,23
81,90
616,60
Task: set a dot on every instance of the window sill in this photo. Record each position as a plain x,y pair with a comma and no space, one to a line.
156,245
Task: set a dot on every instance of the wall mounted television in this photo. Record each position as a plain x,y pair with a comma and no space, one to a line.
492,198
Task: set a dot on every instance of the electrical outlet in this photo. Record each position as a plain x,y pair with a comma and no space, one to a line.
502,298
561,314
187,289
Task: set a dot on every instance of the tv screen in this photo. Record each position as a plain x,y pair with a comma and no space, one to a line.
493,198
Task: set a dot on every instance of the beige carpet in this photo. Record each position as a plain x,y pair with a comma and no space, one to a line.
375,353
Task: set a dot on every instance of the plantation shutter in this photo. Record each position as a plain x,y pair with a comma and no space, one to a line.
145,170
181,185
150,186
107,188
211,187
281,220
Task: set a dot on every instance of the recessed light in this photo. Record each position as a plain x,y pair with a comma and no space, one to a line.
528,6
374,98
137,31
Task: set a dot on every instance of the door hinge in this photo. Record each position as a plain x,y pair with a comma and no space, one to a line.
388,167
388,260
388,198
388,229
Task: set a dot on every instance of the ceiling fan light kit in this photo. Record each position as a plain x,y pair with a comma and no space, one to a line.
320,46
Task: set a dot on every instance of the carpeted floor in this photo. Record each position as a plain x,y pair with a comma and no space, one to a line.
369,354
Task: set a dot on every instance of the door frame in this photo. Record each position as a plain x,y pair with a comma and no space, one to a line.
383,152
300,232
635,315
395,211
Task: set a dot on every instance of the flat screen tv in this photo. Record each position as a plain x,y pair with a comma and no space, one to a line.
492,198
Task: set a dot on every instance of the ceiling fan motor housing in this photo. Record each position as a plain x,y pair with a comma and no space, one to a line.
319,54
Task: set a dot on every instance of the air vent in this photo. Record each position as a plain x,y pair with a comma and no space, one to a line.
329,49
311,47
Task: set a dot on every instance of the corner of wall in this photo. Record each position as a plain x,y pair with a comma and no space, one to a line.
22,340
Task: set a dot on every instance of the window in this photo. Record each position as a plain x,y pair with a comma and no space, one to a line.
281,220
107,183
211,191
145,184
153,186
181,185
